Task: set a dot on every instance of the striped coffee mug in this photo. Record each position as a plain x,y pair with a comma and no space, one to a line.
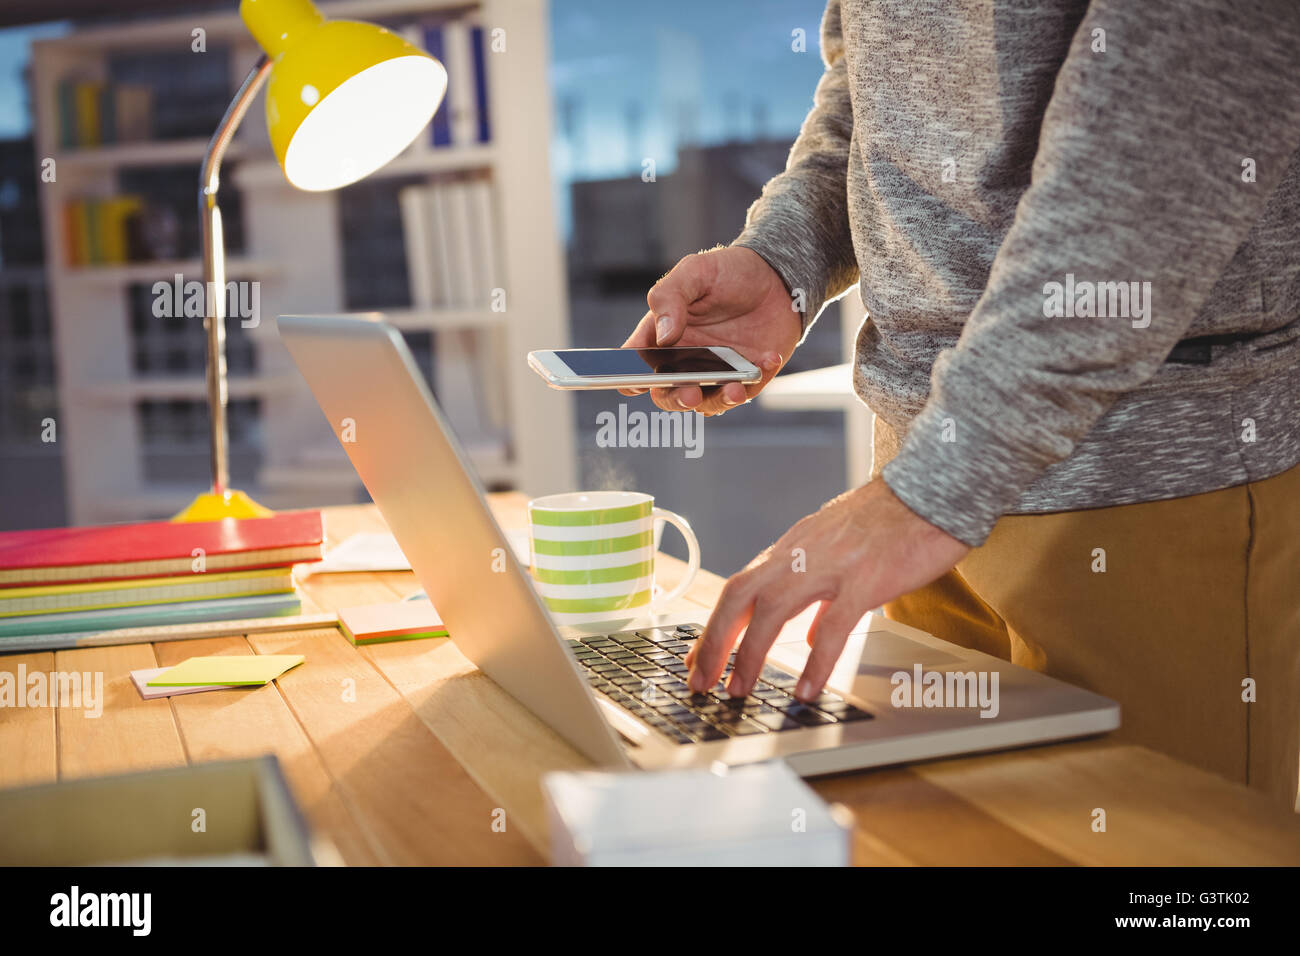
593,555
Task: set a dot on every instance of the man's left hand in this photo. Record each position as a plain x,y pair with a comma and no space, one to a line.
857,552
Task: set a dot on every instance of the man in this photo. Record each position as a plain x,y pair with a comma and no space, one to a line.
1075,230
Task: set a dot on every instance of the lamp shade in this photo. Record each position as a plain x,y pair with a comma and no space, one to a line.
343,97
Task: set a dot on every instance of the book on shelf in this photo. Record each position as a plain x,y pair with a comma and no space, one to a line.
101,231
453,261
94,113
461,46
417,242
452,242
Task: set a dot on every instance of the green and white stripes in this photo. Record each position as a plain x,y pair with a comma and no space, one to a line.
593,564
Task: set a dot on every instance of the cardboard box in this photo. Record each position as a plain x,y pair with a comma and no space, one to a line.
237,812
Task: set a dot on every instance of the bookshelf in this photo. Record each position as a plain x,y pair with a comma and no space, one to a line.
294,245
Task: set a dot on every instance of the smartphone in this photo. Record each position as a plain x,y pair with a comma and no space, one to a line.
642,368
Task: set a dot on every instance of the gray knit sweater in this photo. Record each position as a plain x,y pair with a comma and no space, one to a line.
1039,200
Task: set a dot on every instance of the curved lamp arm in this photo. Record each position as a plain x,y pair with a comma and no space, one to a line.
214,271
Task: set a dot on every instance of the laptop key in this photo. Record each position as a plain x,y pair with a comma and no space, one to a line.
743,728
776,721
853,713
827,699
832,707
806,716
719,706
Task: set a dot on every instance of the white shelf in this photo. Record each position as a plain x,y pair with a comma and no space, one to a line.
438,319
819,389
165,270
263,173
175,31
145,153
176,387
327,468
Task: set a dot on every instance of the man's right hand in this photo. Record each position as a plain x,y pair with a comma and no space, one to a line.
728,296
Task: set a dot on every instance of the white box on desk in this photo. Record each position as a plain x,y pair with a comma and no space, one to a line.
756,815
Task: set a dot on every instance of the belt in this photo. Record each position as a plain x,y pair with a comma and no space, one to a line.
1196,351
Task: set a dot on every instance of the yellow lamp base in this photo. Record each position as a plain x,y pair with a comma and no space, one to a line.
210,506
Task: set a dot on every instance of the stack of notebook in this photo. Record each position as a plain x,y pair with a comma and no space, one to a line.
77,581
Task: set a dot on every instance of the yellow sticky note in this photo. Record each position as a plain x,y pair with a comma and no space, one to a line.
247,669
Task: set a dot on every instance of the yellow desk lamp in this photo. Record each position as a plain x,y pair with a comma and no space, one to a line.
343,98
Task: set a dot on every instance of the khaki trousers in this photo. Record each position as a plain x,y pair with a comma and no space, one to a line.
1186,611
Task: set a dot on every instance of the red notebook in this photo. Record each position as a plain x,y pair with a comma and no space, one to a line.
109,552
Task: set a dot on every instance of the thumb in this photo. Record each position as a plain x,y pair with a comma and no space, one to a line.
670,326
671,297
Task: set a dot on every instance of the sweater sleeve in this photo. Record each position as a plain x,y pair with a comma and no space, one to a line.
800,223
1140,194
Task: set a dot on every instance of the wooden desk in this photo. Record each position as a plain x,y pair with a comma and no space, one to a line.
404,753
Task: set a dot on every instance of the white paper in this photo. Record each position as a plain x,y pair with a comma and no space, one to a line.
141,679
380,552
361,552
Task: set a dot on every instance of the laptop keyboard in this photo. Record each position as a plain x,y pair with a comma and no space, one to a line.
644,672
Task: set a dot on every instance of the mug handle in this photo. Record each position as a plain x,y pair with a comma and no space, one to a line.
693,555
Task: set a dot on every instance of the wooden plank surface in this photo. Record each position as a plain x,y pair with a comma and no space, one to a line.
131,733
252,721
1158,810
28,735
412,796
405,753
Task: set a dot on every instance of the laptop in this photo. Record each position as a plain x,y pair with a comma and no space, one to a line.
897,694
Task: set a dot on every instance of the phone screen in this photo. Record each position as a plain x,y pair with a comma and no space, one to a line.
622,362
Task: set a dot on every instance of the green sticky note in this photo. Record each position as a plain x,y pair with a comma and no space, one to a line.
243,670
